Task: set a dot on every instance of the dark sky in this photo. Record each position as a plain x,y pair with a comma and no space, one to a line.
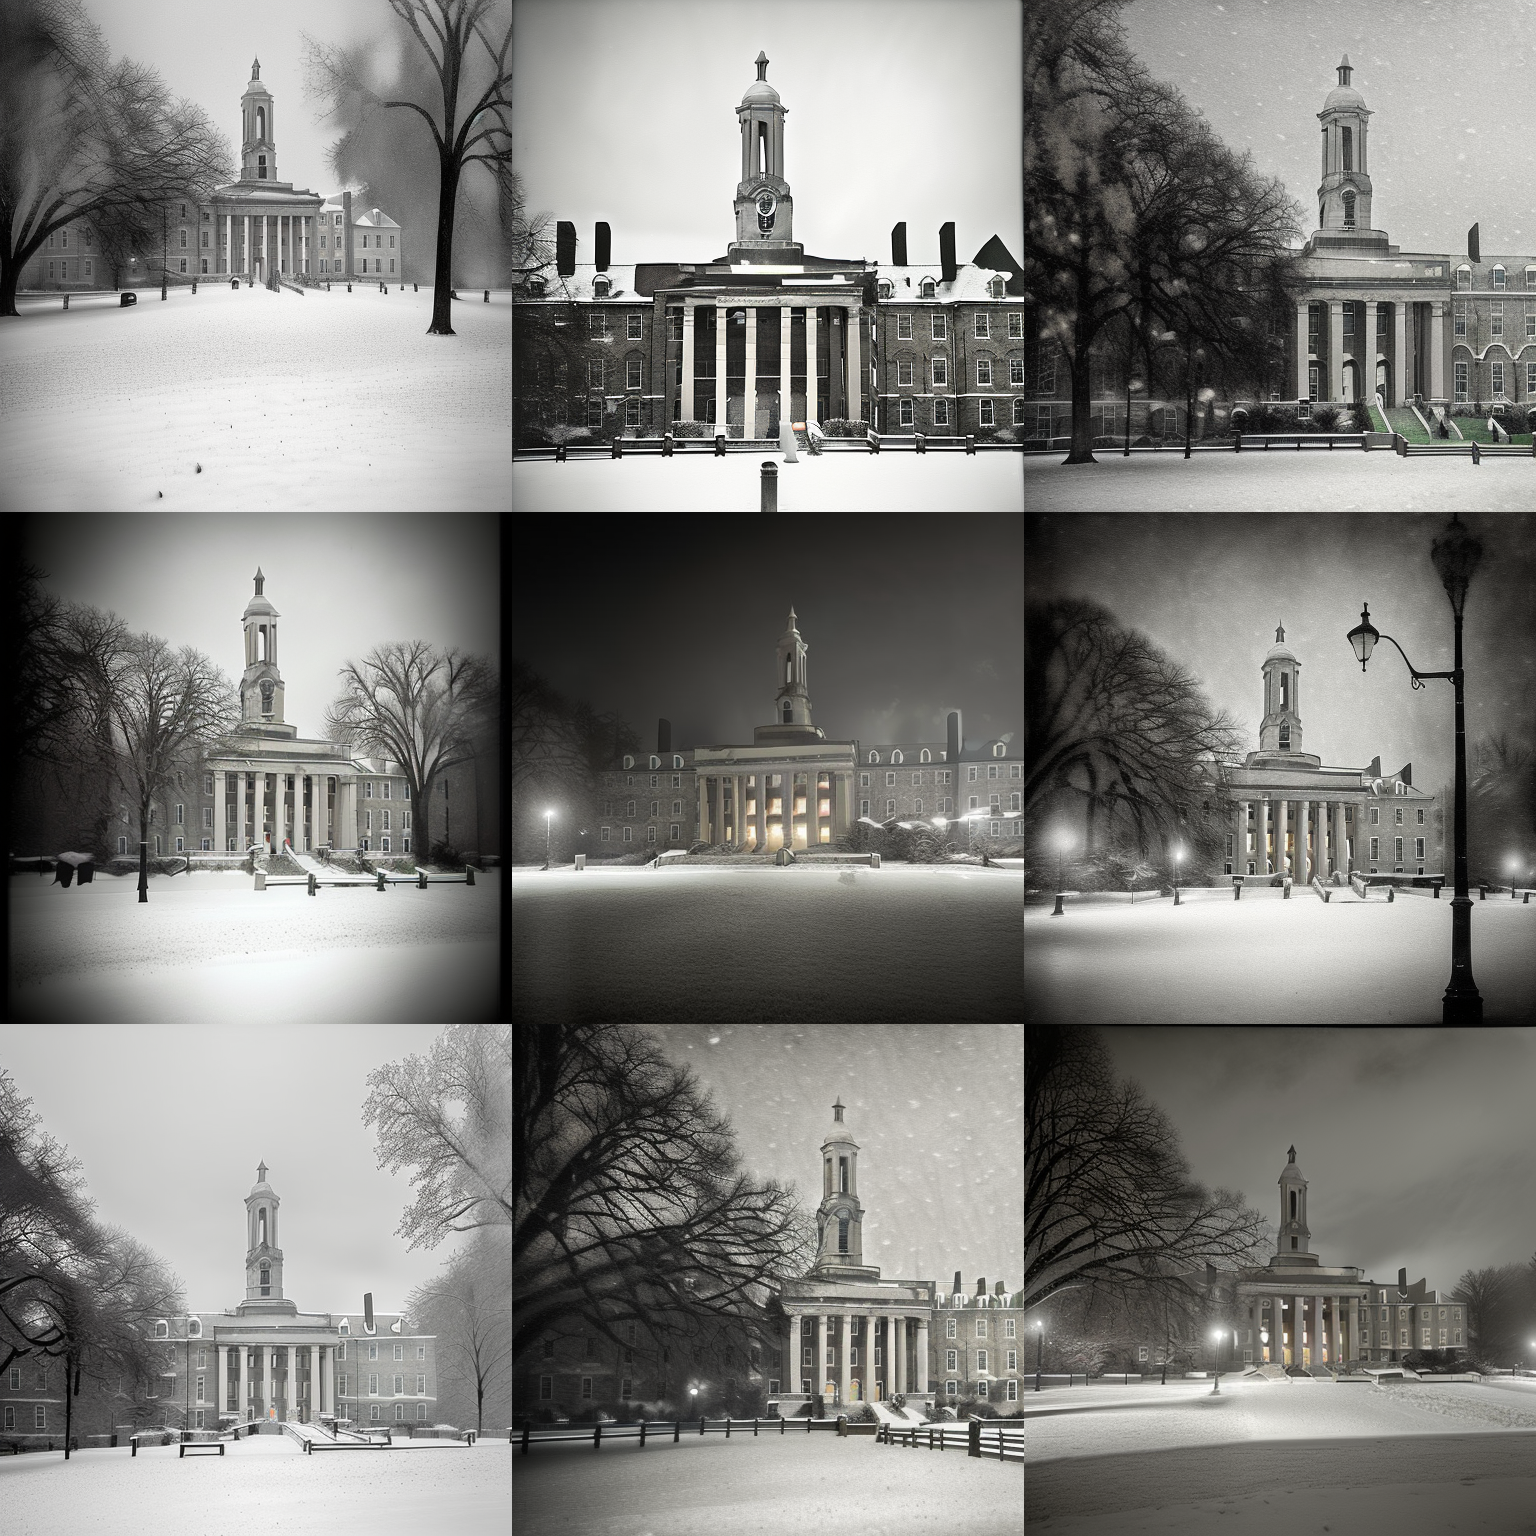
1415,1143
1211,590
905,620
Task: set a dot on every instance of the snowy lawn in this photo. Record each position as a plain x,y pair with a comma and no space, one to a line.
803,943
209,946
769,1485
1275,1458
1310,481
259,1487
1213,960
325,402
832,482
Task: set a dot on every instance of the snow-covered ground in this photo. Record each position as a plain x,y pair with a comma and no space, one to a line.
830,482
769,1485
1309,481
209,946
804,943
260,1487
1212,960
330,402
1276,1458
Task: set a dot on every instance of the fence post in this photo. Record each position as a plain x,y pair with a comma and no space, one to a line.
642,1434
727,1426
597,1437
974,1448
768,497
677,1430
701,1426
311,882
379,873
754,1426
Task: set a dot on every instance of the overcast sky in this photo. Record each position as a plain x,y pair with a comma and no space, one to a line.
625,111
1211,590
904,621
341,583
937,1113
1415,1143
170,1123
1450,89
209,62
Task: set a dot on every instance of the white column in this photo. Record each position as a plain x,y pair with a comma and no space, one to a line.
1368,386
720,409
221,1360
1303,857
786,398
687,385
1437,349
899,1354
845,1374
749,384
282,810
1298,1326
922,1383
1341,860
245,247
810,363
1400,356
290,1412
1303,356
1261,839
1336,349
216,842
855,372
819,1374
789,1376
229,244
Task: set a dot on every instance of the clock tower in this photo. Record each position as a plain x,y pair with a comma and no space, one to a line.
764,208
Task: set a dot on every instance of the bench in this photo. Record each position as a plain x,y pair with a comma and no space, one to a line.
1299,439
200,1445
871,859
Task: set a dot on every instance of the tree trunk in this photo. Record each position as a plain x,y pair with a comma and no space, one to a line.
442,288
69,1404
143,854
10,274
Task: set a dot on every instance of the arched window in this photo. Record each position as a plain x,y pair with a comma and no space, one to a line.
261,122
995,287
261,1224
789,670
842,1234
1000,750
925,288
1285,690
895,757
162,1329
925,756
1349,210
787,712
655,761
629,762
1498,277
600,287
1463,276
677,760
1285,738
264,1279
885,288
346,1327
874,757
1349,149
195,1328
261,167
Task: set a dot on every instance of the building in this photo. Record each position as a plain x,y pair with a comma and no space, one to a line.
370,244
1294,816
268,783
249,228
1371,319
1295,1312
732,343
262,1359
792,786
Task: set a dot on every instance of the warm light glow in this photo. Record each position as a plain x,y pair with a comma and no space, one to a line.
826,834
549,813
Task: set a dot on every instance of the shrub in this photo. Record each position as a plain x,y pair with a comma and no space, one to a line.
1005,435
445,853
691,429
1516,419
1326,418
567,434
1240,419
840,426
1361,411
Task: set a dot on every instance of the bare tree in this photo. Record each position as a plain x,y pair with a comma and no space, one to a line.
83,137
1498,1303
462,1157
1108,1198
166,705
475,111
1116,726
630,1204
426,709
469,1308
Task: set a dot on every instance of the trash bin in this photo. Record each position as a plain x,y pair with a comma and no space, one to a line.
126,299
581,861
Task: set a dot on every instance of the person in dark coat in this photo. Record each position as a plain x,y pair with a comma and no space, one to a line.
63,874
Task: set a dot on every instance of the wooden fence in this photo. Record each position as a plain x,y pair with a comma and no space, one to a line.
979,1438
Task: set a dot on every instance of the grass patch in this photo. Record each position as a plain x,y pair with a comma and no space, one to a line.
1408,425
1474,429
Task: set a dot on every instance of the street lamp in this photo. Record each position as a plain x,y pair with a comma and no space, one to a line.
1513,866
1063,842
1217,1337
548,822
1039,1349
1178,853
1455,555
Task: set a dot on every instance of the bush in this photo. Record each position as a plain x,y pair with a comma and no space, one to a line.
1516,419
445,853
1325,418
1361,411
567,434
691,429
1240,419
841,427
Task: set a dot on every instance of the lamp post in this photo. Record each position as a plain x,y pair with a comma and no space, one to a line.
1063,842
1039,1349
1513,865
548,822
1178,853
1216,1339
1455,555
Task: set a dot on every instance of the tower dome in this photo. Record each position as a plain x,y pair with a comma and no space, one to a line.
1344,194
764,208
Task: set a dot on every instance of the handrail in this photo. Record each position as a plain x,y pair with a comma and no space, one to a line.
552,1434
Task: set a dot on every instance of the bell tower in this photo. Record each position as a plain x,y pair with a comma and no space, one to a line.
840,1217
1344,194
764,208
1295,1240
793,704
261,684
258,151
1281,729
263,1258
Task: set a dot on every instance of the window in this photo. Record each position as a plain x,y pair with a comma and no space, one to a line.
1375,843
399,1352
1349,208
1499,277
1397,816
399,1385
373,1350
984,371
162,1330
1016,371
1496,318
904,371
1498,379
632,373
631,810
605,838
951,1360
988,413
940,327
890,779
597,322
1141,1353
951,1388
1461,382
373,1386
863,807
949,1328
904,327
1008,1330
874,757
1397,848
1460,318
629,834
983,329
1530,313
941,410
39,1417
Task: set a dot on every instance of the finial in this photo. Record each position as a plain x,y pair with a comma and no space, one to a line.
261,1171
1293,1154
1344,71
762,65
259,579
837,1108
1279,633
256,69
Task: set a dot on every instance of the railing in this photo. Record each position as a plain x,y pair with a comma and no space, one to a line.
660,1428
978,1438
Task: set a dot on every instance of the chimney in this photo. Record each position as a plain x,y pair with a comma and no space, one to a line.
997,1290
958,1285
1374,771
346,224
953,755
947,251
899,244
1402,1279
1407,775
981,1287
604,246
565,248
663,735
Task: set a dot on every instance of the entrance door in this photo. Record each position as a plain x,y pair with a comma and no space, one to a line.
854,1395
1383,380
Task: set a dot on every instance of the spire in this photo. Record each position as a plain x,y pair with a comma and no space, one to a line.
256,69
762,65
1291,1156
1279,634
1345,70
838,1108
791,617
261,1171
259,579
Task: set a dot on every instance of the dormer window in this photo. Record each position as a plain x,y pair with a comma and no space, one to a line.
677,760
925,288
1285,738
629,762
995,287
655,761
884,286
162,1330
600,287
536,283
874,757
1463,276
1498,277
1000,750
195,1328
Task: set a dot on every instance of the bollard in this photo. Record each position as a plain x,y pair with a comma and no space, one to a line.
261,879
66,301
1391,894
754,1426
379,875
597,1437
194,285
421,879
769,497
677,1430
415,287
727,1426
469,869
970,447
701,1426
719,445
642,1434
974,1448
666,445
349,287
922,442
311,882
1237,891
487,295
842,1425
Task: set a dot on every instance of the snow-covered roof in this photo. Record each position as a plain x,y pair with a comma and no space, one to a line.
969,286
376,219
578,287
